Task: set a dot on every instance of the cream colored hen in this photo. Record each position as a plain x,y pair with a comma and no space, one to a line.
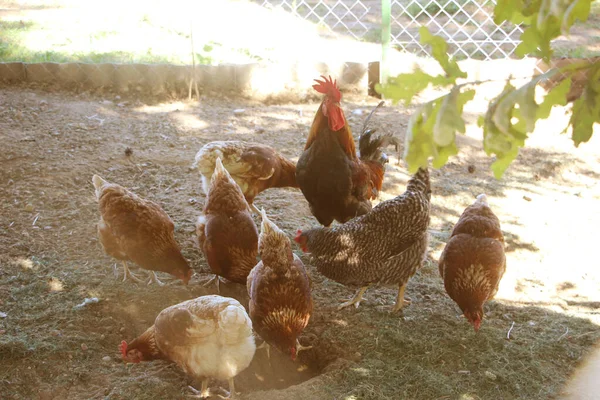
208,337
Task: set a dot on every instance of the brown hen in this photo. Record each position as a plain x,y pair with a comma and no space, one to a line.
279,289
473,261
226,232
138,230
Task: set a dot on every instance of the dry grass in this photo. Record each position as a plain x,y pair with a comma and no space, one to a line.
51,260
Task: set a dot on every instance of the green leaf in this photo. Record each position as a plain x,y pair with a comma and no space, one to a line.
512,11
418,148
502,109
528,106
501,164
449,118
441,117
586,109
578,9
530,42
556,96
406,86
439,51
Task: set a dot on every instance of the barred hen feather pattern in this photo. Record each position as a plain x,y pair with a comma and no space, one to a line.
387,245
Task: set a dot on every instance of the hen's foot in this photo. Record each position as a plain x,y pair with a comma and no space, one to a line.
401,301
215,279
129,274
299,347
203,393
153,278
231,394
355,300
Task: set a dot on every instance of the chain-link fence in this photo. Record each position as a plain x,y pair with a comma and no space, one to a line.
467,25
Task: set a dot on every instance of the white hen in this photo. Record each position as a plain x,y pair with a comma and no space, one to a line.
208,337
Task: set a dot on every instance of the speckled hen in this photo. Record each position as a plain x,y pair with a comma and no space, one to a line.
473,261
386,246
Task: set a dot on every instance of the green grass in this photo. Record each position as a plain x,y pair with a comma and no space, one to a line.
16,36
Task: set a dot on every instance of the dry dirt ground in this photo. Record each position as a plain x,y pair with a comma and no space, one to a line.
50,258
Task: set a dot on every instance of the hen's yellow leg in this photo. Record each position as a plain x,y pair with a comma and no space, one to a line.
153,278
266,346
356,299
129,274
203,393
299,347
400,300
213,279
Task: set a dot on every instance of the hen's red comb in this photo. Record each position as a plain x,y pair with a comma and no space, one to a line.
298,234
328,87
123,348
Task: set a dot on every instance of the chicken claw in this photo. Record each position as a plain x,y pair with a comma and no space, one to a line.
356,299
215,279
153,278
299,347
129,274
203,393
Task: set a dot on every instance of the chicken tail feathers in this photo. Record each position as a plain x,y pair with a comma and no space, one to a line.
369,148
482,198
419,183
99,183
235,323
366,123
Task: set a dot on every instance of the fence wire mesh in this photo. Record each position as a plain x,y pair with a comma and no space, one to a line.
467,25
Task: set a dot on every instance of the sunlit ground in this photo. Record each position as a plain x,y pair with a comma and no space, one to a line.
549,249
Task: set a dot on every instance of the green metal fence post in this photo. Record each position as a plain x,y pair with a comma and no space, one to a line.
386,34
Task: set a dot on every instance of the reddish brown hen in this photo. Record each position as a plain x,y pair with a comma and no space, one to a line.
254,167
473,261
279,289
138,230
338,184
226,232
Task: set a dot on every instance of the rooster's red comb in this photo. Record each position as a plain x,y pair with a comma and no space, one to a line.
328,87
298,234
123,348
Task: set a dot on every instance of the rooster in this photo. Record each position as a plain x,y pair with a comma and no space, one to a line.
254,167
386,246
138,230
473,261
279,289
338,184
226,231
207,337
